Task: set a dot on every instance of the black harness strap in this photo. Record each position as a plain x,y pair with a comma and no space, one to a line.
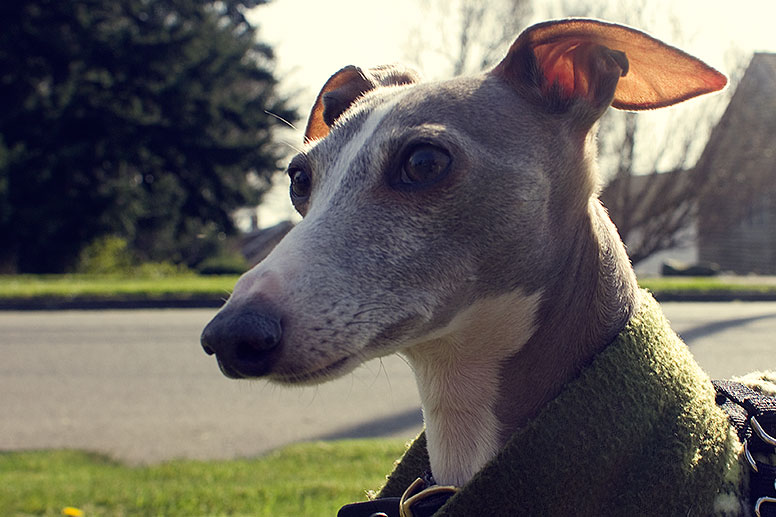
754,417
422,499
387,507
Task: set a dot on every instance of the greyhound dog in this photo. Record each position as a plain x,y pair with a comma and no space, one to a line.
457,223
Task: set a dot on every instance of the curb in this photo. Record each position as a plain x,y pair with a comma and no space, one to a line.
96,303
87,303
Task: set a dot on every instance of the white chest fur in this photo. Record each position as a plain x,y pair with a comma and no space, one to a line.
457,370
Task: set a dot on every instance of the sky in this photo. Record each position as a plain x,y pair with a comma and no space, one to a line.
312,39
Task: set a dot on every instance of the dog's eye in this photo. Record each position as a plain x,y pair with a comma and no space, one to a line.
300,183
425,164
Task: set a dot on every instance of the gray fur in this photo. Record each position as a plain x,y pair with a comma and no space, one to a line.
373,269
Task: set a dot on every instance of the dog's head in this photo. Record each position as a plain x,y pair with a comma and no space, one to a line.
422,201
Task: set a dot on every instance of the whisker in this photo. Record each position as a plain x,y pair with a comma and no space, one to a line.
387,378
316,390
297,149
362,322
379,304
278,117
406,361
359,313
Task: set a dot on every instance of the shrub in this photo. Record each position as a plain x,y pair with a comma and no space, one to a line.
108,255
225,263
161,270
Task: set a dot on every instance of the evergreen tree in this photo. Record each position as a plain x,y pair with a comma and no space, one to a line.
144,119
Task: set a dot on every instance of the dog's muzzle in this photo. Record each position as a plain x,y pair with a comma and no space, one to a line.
245,340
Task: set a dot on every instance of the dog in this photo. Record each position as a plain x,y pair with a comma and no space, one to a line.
457,223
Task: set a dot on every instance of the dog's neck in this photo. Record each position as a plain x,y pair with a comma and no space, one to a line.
459,382
479,383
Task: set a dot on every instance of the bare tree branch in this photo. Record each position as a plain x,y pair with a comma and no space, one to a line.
481,32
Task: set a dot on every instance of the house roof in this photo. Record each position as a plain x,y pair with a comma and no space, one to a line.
639,197
739,160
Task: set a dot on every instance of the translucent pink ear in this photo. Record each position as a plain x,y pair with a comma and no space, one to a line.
344,87
605,63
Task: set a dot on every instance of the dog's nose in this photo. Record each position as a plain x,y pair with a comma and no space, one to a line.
244,339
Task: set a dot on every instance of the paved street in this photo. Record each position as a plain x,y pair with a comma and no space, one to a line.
136,385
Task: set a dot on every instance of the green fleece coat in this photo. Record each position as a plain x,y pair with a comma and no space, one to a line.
638,433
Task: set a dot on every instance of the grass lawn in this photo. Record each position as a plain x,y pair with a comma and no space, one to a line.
71,286
313,479
48,288
719,284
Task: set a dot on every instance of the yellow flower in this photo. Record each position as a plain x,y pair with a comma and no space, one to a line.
72,512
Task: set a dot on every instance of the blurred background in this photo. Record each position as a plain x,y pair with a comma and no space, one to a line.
140,132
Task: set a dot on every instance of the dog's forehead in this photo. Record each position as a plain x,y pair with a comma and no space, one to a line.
350,143
481,108
389,108
358,122
483,122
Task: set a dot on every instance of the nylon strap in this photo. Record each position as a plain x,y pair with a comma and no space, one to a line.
753,415
422,499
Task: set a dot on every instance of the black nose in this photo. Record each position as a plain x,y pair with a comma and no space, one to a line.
244,339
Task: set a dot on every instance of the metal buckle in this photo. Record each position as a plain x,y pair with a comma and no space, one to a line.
749,457
760,502
770,440
416,493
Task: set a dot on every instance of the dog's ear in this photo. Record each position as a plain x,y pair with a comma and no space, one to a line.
602,63
343,88
337,94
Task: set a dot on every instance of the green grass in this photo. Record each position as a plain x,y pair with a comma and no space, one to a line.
72,286
698,285
189,286
313,479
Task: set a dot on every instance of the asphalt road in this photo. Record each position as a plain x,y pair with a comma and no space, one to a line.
137,386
